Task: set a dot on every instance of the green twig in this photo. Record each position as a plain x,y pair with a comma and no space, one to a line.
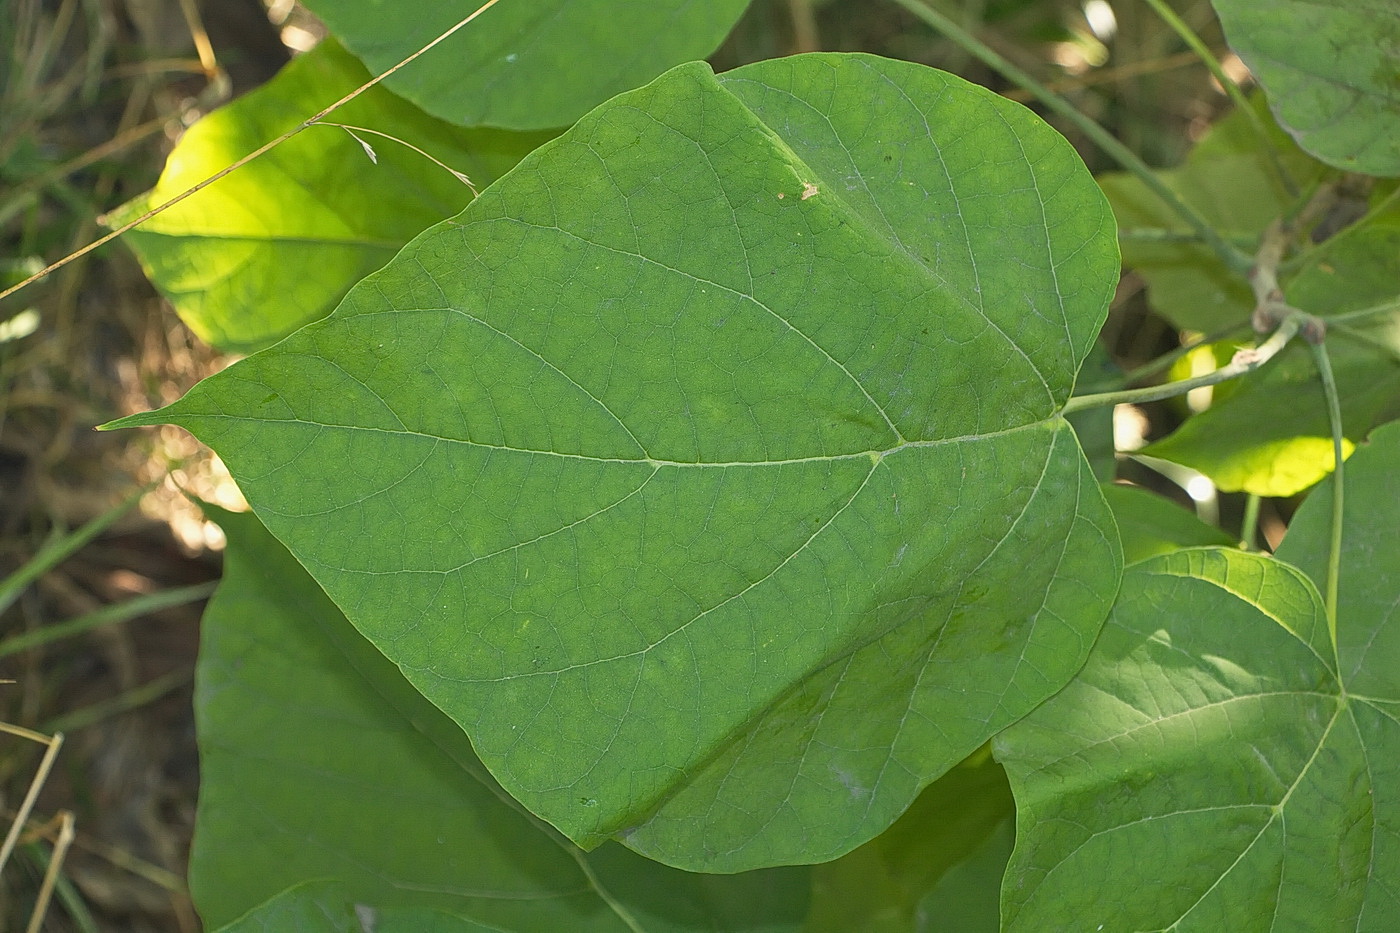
121,703
107,615
1286,184
1169,236
1334,550
1154,366
1389,307
1249,527
1235,259
1246,360
59,549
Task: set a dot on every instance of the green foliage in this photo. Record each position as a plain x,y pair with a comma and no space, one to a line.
1270,436
625,657
1332,73
317,754
1217,726
528,66
1229,177
702,494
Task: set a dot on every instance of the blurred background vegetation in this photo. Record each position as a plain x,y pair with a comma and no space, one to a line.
101,646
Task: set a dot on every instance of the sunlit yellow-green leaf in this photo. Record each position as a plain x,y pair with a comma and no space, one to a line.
277,243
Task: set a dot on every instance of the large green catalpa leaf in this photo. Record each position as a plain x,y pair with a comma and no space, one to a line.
1332,72
279,242
708,469
318,761
524,66
1215,727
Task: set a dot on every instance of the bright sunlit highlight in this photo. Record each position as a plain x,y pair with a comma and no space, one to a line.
1101,20
1200,488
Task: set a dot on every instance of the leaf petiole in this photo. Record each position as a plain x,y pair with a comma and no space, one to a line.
1334,549
1246,360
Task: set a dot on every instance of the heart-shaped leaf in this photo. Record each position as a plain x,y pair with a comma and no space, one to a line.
317,756
708,469
527,66
1215,727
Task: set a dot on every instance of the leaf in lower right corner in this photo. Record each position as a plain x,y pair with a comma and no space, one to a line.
1210,769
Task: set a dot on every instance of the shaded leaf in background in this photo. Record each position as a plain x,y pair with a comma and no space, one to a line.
967,898
528,66
277,243
708,469
1214,727
1270,434
904,879
1227,178
317,756
1267,433
1150,524
1331,69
